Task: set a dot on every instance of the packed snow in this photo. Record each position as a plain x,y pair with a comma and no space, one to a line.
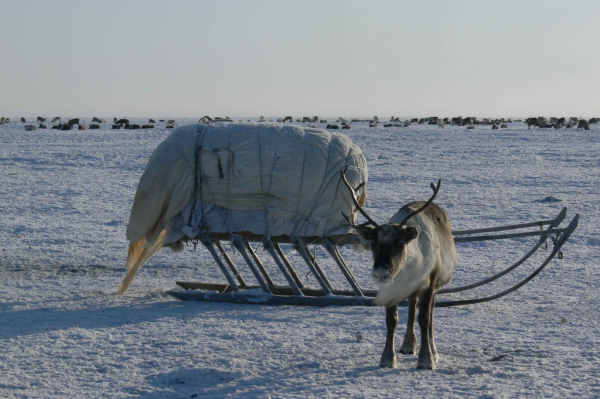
65,198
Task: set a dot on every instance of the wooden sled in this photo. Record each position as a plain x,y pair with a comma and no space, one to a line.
295,292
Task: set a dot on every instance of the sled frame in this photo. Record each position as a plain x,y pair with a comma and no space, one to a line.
266,292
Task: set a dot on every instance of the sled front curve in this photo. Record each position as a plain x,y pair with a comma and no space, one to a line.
266,292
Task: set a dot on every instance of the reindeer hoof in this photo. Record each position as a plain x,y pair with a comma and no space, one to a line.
407,350
391,365
388,363
426,365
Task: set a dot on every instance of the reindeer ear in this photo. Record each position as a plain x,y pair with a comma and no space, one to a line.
410,233
366,232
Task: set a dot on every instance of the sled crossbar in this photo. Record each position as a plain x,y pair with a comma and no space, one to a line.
266,292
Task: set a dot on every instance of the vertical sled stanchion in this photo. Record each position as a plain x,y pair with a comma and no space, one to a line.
313,258
239,245
207,242
259,264
271,250
287,264
333,251
232,266
301,248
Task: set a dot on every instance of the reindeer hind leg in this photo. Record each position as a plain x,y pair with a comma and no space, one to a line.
434,351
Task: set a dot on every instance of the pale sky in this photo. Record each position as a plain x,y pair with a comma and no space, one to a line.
247,58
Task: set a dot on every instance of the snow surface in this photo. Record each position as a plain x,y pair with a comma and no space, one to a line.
65,198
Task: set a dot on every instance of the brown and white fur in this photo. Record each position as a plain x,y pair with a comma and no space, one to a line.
413,257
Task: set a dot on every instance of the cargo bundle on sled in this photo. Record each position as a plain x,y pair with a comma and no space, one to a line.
244,184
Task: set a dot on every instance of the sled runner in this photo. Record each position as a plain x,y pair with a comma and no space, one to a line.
295,292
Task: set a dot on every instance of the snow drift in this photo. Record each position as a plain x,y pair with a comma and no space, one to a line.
269,180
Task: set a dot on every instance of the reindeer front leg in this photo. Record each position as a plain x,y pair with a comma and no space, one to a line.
426,358
388,358
409,343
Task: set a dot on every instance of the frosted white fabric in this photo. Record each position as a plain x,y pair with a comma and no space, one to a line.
267,179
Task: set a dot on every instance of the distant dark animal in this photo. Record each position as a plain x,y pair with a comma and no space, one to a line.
151,121
40,119
96,120
346,127
532,122
471,127
122,121
170,126
288,119
2,121
504,126
148,126
65,127
583,124
469,120
593,121
332,126
94,126
42,126
323,121
23,120
171,121
81,127
414,120
117,126
74,121
29,127
132,126
495,127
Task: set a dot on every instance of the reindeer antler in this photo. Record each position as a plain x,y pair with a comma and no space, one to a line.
352,193
421,209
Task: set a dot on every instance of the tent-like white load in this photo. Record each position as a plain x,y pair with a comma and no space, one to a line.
262,179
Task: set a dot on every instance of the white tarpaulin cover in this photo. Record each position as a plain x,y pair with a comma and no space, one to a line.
265,179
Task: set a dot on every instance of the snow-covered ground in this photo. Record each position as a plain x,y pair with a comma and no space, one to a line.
65,198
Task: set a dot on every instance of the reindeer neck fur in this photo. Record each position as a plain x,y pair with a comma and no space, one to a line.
422,255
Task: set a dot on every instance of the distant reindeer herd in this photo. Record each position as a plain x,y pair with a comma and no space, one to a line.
469,122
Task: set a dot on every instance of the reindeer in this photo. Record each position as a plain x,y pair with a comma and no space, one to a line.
531,121
414,256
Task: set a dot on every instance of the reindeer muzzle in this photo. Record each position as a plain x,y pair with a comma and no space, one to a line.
382,276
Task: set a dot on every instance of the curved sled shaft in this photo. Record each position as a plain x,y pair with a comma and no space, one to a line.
557,245
553,223
266,293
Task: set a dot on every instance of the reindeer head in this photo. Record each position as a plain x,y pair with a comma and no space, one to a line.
387,242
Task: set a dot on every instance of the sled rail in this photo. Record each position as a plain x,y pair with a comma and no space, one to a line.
236,290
